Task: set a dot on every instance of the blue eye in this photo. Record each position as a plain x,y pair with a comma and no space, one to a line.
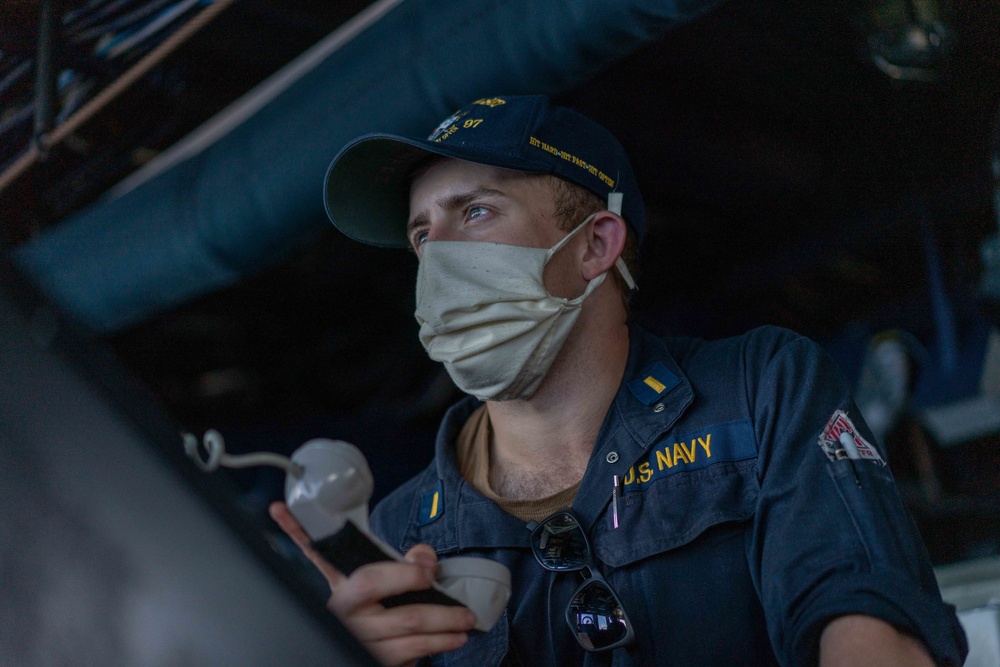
419,238
477,211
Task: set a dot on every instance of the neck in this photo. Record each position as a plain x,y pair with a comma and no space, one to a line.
558,426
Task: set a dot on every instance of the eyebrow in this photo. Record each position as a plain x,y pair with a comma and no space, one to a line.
456,201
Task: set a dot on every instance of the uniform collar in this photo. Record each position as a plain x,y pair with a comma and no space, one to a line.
466,518
636,419
647,417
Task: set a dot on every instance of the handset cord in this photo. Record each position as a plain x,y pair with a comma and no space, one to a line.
215,446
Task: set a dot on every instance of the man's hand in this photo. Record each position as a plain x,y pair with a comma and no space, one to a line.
394,636
864,641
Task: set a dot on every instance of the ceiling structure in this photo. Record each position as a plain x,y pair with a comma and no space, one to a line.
791,178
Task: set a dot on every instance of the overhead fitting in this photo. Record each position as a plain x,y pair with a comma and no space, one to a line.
44,136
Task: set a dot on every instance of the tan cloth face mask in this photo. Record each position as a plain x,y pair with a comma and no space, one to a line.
484,312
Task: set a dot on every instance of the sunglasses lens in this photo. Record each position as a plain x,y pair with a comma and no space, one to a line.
597,618
560,544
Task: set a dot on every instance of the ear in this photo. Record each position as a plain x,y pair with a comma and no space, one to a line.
605,241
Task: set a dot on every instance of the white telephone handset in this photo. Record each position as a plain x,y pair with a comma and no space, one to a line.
327,489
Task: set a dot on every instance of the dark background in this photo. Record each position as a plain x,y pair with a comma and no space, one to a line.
788,180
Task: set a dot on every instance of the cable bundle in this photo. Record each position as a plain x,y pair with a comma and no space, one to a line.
97,43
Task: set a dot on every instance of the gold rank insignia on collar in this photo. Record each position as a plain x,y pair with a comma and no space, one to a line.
653,383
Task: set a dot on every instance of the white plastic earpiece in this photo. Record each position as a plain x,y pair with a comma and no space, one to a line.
335,486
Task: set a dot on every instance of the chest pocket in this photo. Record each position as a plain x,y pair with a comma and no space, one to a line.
679,553
683,487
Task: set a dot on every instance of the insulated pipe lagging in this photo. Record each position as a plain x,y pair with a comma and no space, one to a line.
254,194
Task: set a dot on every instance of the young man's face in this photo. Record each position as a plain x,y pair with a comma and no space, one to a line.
454,200
462,201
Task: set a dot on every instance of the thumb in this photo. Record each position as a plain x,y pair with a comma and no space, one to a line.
423,555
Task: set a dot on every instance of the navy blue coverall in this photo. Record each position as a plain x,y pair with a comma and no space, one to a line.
740,533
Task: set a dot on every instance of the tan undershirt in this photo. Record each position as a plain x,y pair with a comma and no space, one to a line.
472,450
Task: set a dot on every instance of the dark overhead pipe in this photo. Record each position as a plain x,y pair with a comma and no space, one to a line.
254,194
45,74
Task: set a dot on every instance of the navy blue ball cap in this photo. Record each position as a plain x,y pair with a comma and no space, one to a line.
367,186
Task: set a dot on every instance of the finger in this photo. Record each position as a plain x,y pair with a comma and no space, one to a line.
376,581
422,554
404,650
413,619
289,524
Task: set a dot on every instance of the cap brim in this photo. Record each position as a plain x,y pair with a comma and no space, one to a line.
367,185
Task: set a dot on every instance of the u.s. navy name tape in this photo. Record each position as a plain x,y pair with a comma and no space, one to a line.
719,443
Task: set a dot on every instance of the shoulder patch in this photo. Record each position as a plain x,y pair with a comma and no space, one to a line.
431,505
719,443
840,439
653,383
